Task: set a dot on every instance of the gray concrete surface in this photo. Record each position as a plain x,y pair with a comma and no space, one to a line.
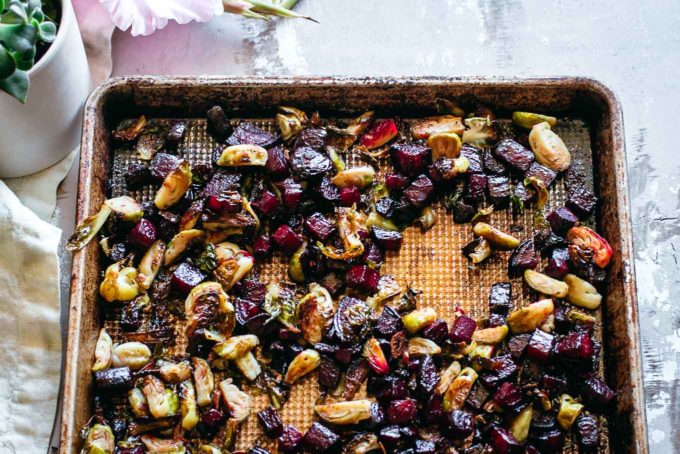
633,46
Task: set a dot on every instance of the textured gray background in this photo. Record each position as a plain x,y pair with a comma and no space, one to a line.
633,46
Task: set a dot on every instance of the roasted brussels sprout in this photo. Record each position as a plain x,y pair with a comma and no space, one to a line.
498,239
119,284
350,223
171,372
375,356
236,346
418,319
444,145
164,446
125,208
342,413
99,440
134,355
129,130
187,394
181,243
235,400
569,410
520,424
208,306
304,363
545,284
315,312
279,303
88,229
174,186
163,402
150,265
528,120
548,148
204,381
290,121
582,293
102,351
231,270
527,319
361,177
458,390
138,403
243,155
423,129
419,346
479,132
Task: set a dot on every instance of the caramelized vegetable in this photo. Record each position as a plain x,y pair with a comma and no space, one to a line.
236,400
582,293
548,148
444,145
360,177
342,413
88,229
423,129
350,222
527,319
315,312
528,120
102,351
586,245
162,402
479,132
99,440
545,284
204,381
134,355
457,392
498,239
150,265
304,363
243,155
119,284
174,186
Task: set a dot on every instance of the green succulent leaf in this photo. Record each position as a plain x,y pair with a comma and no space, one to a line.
18,37
16,85
47,32
15,14
2,5
26,60
7,65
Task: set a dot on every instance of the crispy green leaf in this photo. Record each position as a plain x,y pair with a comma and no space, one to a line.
16,85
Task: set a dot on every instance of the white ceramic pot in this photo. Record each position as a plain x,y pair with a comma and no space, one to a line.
35,135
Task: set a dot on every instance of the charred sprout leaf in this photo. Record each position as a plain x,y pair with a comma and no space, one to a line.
528,120
482,214
498,239
543,196
187,394
248,366
290,121
517,203
447,376
160,445
129,130
452,197
336,159
295,270
150,264
232,270
99,440
376,358
125,208
119,284
519,426
162,402
88,229
582,293
235,400
243,155
342,413
208,306
102,351
304,363
360,177
458,390
362,443
181,243
408,301
204,381
376,220
174,186
527,319
548,148
207,261
423,129
315,312
151,140
350,223
479,132
387,288
134,355
360,123
279,303
446,106
338,138
545,284
419,346
236,346
569,410
586,245
477,250
427,219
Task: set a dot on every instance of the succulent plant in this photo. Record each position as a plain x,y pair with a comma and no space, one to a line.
27,27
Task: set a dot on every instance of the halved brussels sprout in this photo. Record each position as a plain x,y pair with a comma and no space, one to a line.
235,400
102,351
350,222
418,346
375,356
174,186
423,129
230,271
209,298
520,424
360,177
157,445
162,402
527,319
243,155
192,215
248,366
204,381
129,130
305,362
569,410
119,284
479,132
99,440
548,148
338,163
150,142
498,239
236,346
290,121
279,302
125,208
545,284
150,264
582,293
376,220
134,355
187,395
444,145
88,229
418,319
180,243
457,392
138,403
492,336
358,125
447,376
173,372
315,312
447,106
480,355
295,270
387,288
342,413
528,120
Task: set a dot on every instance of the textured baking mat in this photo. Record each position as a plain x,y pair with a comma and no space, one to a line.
431,261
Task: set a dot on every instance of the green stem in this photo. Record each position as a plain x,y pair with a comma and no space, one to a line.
288,4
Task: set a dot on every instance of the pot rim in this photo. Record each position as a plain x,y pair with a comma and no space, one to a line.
67,18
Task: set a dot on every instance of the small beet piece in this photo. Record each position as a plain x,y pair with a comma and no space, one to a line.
389,240
541,173
162,164
508,396
379,133
175,135
225,202
504,367
523,258
286,239
402,411
428,375
291,194
478,396
503,442
493,165
137,176
476,187
373,255
499,298
363,278
514,154
597,393
113,380
319,438
388,324
587,431
558,263
312,138
575,345
425,447
349,196
356,375
290,439
186,276
385,206
221,182
410,158
462,329
561,220
549,441
307,162
270,422
245,310
393,387
329,373
437,331
277,162
143,234
460,424
553,385
396,181
474,157
540,346
499,190
463,212
218,123
581,201
319,226
246,133
404,212
266,203
262,246
419,191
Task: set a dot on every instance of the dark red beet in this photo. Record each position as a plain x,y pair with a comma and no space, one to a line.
581,201
162,164
474,156
541,173
496,320
393,387
425,447
478,396
402,411
404,212
460,424
291,193
137,176
262,246
286,239
476,187
270,422
175,135
221,182
290,439
437,331
329,373
373,255
228,201
561,220
388,323
523,258
419,191
549,441
319,438
499,298
463,212
462,329
396,181
518,344
499,190
349,196
186,277
540,346
493,165
212,417
587,431
508,396
389,240
553,385
597,393
306,162
332,283
356,375
514,154
362,278
545,240
266,203
218,123
143,234
503,442
327,191
504,367
558,263
277,162
249,134
312,138
377,418
410,158
252,289
576,345
116,379
385,206
433,413
428,375
319,226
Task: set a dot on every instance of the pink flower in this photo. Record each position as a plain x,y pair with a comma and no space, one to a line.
147,16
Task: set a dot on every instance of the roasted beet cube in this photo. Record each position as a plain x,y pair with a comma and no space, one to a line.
277,162
597,393
328,192
162,164
392,388
514,154
521,195
262,246
116,379
291,193
252,290
392,437
286,239
229,202
587,431
379,133
463,212
493,165
508,396
218,123
410,158
503,442
221,182
137,176
523,258
437,331
478,396
175,135
558,263
266,202
581,201
402,411
396,181
462,329
404,212
575,345
503,366
541,173
290,439
270,422
319,226
476,187
496,320
545,240
474,156
553,385
387,239
312,138
561,220
377,418
307,162
373,255
388,323
428,375
425,447
249,134
319,438
540,346
186,276
460,424
419,191
349,196
499,298
143,234
549,441
329,373
499,190
385,206
362,278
